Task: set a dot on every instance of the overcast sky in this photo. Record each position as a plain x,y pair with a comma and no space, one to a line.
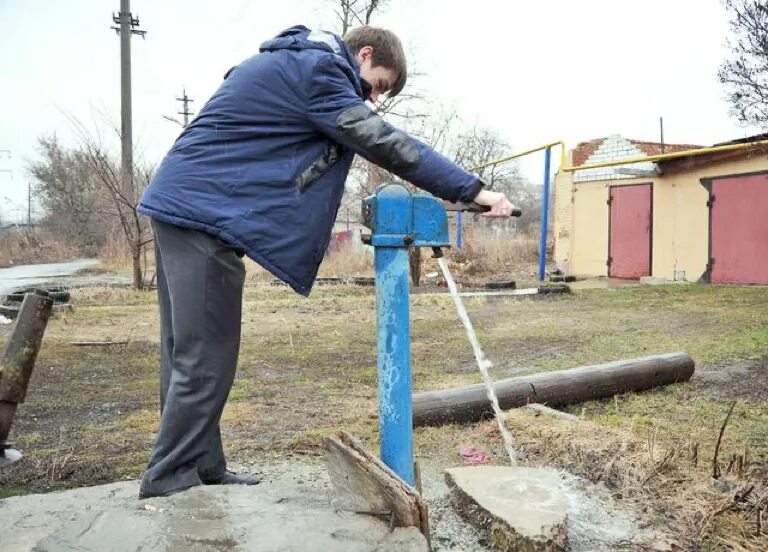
535,71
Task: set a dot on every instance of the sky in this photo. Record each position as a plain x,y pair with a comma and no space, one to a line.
535,71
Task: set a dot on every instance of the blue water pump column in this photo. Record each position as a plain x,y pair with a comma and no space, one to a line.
398,220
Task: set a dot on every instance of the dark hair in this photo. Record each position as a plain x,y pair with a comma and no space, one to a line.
387,51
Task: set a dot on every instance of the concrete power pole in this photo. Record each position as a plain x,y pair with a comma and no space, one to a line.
185,100
128,27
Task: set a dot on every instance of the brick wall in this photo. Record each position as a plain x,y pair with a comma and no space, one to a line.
612,148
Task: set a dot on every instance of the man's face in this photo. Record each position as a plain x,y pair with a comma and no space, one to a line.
380,78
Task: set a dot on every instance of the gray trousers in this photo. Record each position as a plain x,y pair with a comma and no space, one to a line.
199,289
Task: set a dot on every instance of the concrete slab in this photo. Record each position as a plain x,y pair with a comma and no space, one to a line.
520,508
601,282
266,517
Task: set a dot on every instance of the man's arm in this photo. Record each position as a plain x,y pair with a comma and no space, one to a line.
336,111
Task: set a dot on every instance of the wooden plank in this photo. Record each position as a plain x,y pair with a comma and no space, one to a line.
470,404
364,484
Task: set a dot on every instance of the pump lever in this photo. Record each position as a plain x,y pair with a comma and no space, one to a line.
475,208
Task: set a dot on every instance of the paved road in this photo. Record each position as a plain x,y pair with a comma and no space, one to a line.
32,275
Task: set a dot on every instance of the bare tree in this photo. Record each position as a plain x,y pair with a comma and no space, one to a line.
478,146
351,13
745,73
355,12
442,129
122,195
67,191
366,176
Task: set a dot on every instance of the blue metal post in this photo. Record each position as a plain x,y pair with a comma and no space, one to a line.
398,220
458,230
544,216
394,360
391,237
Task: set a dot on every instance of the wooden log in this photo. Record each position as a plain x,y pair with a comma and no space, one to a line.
470,404
19,356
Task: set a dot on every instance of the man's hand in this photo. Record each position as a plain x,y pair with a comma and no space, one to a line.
498,202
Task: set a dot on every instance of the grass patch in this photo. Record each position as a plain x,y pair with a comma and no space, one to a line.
7,492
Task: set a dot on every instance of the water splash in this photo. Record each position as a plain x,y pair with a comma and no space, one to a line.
482,362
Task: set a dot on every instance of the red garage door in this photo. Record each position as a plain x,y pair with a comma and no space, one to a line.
739,230
629,249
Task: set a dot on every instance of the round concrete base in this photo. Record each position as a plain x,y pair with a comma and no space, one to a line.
520,508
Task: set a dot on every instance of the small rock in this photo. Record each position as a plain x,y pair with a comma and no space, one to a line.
721,485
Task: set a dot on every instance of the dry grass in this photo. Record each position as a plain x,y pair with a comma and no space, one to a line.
487,253
666,478
668,475
350,260
484,254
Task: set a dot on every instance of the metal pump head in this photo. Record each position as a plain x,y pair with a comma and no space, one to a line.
399,218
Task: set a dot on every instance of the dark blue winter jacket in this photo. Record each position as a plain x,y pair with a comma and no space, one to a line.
263,165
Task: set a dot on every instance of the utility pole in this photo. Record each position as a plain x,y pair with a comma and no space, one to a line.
29,205
661,131
9,171
185,100
128,26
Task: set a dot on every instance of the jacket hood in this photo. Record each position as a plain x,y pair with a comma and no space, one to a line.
300,37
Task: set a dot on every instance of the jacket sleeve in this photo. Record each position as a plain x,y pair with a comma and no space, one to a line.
337,111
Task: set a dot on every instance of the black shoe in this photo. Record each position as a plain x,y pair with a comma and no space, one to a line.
232,478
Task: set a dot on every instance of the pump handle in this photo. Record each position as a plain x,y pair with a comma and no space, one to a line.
473,207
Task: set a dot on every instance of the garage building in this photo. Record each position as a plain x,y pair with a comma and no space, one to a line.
700,217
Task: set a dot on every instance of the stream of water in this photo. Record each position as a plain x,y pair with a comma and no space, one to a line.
482,362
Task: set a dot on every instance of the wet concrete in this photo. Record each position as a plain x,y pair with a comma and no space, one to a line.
36,274
596,523
270,516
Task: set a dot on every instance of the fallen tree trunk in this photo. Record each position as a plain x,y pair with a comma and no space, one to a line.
469,404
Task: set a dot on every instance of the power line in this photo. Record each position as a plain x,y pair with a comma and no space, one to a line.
185,100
